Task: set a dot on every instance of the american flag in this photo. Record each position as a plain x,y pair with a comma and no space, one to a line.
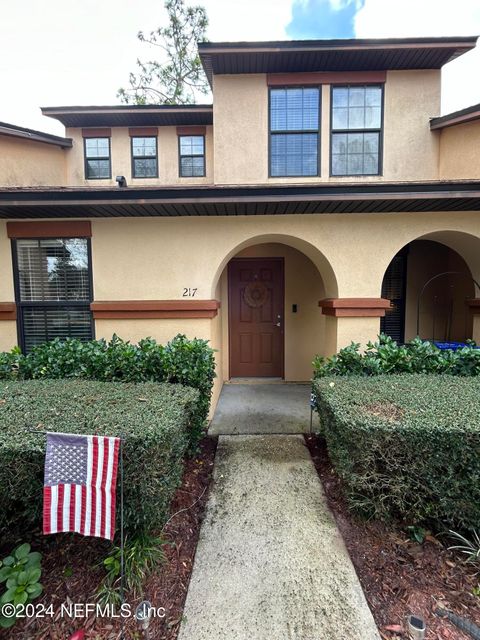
80,484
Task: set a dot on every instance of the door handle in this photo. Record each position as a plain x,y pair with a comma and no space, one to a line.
278,324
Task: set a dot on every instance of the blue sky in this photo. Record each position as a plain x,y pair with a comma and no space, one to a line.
79,52
313,17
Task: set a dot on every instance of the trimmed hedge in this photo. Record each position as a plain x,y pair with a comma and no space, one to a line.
184,361
153,418
386,356
406,446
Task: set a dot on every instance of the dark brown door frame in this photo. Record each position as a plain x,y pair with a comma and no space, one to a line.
282,290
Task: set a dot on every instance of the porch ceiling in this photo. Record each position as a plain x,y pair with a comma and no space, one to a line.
62,202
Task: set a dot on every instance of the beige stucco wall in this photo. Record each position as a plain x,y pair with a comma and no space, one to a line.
25,163
121,159
460,152
241,129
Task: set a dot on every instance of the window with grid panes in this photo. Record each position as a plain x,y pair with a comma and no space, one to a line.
192,156
53,289
356,130
97,158
144,157
294,117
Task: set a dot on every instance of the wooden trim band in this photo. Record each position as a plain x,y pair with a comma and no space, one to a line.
53,229
142,132
191,131
104,132
325,77
8,311
126,309
354,307
474,304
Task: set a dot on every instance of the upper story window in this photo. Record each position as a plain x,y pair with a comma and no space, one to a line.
356,130
294,117
53,289
192,156
97,158
144,157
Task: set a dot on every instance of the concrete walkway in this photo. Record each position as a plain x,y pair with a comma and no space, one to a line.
270,562
262,408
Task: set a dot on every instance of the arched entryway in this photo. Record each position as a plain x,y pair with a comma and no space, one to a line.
430,286
270,323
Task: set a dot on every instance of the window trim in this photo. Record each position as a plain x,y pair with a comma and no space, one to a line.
180,156
133,158
379,131
85,159
318,131
48,303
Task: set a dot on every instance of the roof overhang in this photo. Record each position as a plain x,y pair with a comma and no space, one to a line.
331,55
132,115
457,117
239,200
15,131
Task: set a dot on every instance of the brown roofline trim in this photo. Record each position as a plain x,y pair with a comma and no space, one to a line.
325,77
354,307
446,121
61,229
34,136
67,110
8,311
144,309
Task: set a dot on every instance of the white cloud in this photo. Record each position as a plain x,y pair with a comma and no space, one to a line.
402,18
247,19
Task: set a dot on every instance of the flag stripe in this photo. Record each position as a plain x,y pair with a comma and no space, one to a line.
77,509
47,504
54,509
61,491
114,487
88,507
98,490
66,508
93,493
106,456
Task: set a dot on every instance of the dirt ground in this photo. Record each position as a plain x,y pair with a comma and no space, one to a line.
399,576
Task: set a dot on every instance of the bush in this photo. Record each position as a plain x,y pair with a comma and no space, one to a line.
189,362
386,356
406,446
153,418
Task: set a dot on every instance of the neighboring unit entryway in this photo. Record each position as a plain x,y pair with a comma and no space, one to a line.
256,310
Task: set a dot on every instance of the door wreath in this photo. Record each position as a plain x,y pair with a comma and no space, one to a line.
255,294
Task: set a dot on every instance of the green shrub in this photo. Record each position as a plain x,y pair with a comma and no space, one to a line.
21,572
189,362
154,419
386,356
406,446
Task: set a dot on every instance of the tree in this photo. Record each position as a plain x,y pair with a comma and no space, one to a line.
177,77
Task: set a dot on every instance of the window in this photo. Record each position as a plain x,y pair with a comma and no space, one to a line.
294,115
53,289
356,130
97,158
144,157
192,156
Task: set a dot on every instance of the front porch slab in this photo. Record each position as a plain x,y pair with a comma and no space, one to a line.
270,562
262,408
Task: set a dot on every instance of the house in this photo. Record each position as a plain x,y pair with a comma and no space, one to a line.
320,199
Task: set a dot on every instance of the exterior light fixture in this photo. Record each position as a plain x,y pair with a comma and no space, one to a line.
121,181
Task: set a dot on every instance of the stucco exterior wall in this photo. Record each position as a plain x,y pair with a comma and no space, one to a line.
459,152
121,160
410,149
25,163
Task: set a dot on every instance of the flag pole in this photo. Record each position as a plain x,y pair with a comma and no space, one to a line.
122,542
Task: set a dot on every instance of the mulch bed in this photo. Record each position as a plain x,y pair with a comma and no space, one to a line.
400,577
72,568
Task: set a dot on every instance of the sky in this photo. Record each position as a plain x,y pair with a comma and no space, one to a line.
79,52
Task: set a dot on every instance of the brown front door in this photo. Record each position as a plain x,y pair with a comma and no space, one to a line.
256,306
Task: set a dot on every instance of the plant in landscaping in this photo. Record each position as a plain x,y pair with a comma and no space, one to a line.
21,572
469,547
154,420
386,356
405,446
416,533
184,361
142,555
